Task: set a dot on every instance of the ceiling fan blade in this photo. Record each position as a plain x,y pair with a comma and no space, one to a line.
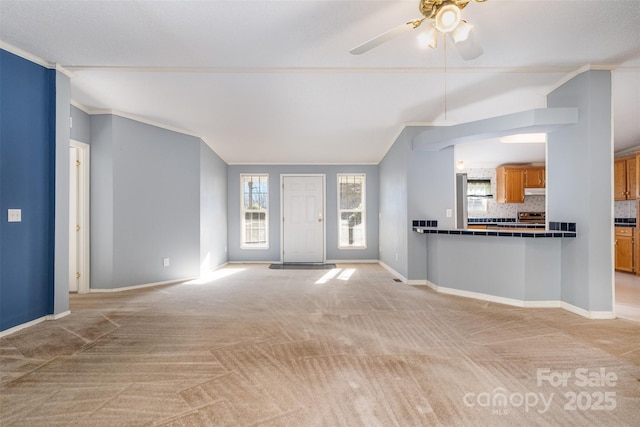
382,38
468,49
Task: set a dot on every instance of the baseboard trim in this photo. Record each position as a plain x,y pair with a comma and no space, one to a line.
594,315
477,295
392,271
253,262
543,304
22,326
351,261
134,287
329,261
58,315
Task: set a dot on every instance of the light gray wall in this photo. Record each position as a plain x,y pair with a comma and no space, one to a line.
542,269
273,253
431,191
394,215
414,185
523,269
145,203
81,125
61,259
101,201
213,210
579,171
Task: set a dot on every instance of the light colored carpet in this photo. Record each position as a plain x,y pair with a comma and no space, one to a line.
342,347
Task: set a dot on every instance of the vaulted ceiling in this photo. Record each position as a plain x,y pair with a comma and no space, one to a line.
273,81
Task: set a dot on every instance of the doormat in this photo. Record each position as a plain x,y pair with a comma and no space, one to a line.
301,266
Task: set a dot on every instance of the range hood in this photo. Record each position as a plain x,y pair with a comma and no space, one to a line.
535,191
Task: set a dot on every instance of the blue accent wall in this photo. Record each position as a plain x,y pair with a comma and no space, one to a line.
27,182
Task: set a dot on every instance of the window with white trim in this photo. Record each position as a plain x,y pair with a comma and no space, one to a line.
352,230
254,215
478,194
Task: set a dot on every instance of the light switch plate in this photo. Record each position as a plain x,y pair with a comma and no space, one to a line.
14,215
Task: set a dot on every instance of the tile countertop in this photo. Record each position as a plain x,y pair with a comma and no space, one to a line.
556,229
625,222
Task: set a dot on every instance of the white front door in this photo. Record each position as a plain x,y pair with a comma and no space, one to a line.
303,230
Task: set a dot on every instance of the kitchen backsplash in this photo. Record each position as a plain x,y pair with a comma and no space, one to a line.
625,209
503,210
622,209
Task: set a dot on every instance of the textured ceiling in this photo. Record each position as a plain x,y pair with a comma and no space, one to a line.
273,81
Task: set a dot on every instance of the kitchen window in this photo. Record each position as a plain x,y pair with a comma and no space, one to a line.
478,195
254,215
352,229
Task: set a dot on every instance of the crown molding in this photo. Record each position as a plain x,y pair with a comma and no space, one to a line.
145,121
318,70
35,59
96,112
64,71
26,55
80,106
583,69
299,164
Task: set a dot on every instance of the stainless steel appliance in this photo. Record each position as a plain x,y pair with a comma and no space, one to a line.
461,200
531,217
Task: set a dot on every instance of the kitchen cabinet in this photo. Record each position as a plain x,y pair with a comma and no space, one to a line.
624,248
510,184
511,180
534,177
624,178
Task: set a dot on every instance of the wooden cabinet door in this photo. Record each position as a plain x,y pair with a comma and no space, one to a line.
515,186
624,249
509,185
620,179
631,178
534,177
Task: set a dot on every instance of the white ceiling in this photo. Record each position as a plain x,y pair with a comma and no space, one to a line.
273,81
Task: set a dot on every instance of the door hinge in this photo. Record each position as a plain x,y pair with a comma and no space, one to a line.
77,163
77,275
77,228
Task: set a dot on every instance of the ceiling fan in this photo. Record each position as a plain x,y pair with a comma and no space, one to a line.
442,16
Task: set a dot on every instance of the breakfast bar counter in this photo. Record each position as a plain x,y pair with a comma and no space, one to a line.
519,267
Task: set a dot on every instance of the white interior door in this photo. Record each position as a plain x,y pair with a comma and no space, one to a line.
79,238
303,229
74,224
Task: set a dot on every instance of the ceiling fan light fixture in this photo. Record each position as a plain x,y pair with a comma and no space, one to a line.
428,38
447,18
461,33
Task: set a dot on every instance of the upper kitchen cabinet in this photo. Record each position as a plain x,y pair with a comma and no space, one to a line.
624,178
534,177
510,184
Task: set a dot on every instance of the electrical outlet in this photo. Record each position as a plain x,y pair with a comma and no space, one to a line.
165,262
449,213
14,215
